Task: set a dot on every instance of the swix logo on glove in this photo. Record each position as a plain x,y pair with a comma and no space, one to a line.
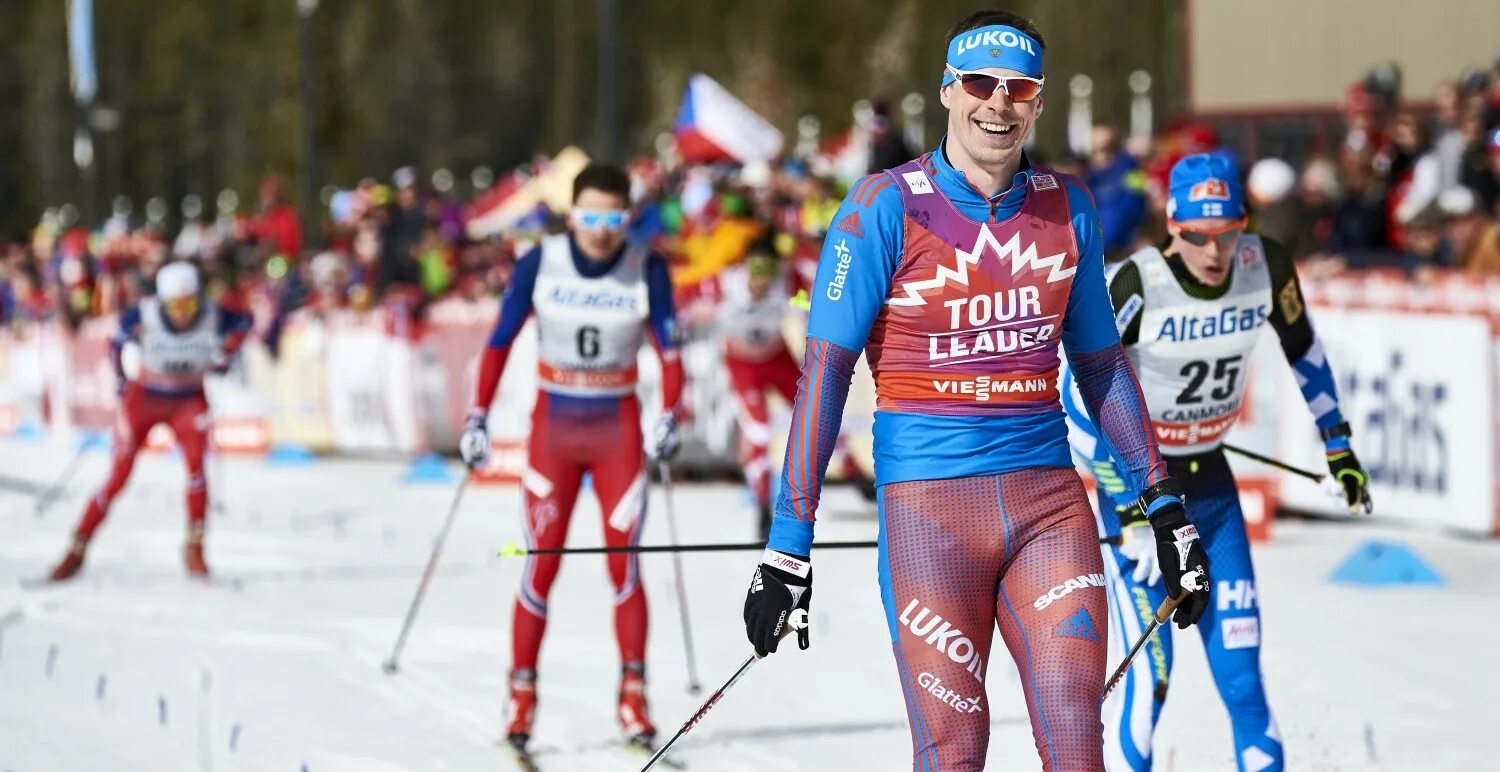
1077,583
934,686
943,636
1185,536
787,563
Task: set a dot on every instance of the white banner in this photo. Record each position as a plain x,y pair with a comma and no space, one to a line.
371,389
22,387
1418,392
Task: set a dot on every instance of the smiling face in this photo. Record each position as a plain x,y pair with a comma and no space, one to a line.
988,133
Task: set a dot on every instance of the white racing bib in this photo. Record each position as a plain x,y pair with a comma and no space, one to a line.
590,328
1192,354
172,359
751,328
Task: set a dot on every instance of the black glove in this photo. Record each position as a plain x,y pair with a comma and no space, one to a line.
782,584
1346,470
1183,562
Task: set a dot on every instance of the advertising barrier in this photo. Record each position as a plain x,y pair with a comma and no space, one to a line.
1418,370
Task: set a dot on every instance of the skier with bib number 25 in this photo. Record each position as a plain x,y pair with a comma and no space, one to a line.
1189,313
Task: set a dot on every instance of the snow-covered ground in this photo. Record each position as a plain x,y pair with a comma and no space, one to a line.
133,667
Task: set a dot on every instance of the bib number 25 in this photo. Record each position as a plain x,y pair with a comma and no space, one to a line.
1226,374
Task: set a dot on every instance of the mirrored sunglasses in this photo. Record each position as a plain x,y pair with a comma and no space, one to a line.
1199,237
1018,88
606,219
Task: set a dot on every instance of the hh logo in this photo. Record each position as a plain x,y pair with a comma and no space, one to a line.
1211,189
1238,595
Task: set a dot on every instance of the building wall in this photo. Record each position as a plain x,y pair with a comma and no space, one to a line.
1279,54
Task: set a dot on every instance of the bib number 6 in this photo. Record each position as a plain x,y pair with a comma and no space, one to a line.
588,342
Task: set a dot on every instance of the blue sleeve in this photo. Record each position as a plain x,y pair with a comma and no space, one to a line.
1092,448
232,322
1089,325
515,304
130,329
1106,381
130,326
1315,379
817,411
859,257
1114,400
663,312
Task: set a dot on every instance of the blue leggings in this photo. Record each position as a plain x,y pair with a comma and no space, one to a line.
1230,629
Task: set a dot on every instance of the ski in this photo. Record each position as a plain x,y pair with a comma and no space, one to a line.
216,581
646,747
520,755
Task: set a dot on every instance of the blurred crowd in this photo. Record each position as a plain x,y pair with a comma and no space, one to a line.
1412,187
1403,188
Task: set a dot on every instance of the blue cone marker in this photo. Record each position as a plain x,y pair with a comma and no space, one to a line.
51,659
161,710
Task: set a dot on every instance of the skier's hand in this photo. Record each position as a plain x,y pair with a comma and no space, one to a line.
1345,469
474,445
782,585
1351,479
1138,543
1178,551
220,363
665,441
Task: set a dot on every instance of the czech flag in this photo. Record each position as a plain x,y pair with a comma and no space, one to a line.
714,126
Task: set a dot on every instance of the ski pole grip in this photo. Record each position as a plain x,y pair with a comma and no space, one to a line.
1190,582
